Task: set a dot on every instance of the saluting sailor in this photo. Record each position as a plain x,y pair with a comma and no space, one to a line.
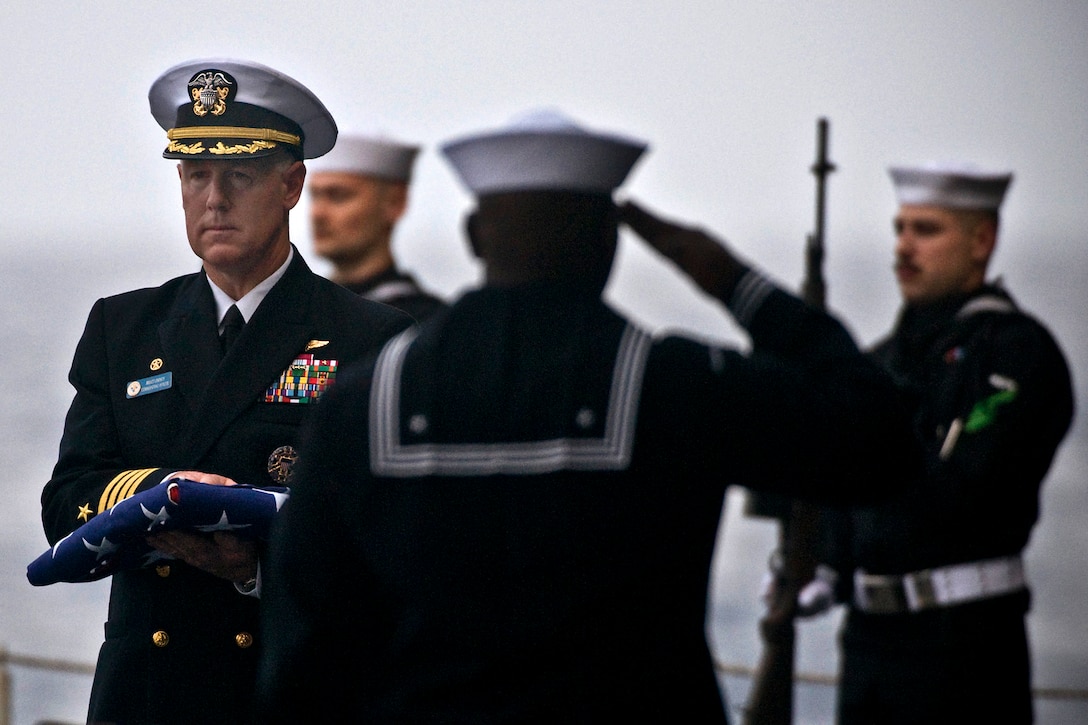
526,494
934,579
210,375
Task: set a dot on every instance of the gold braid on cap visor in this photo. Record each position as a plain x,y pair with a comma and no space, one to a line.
256,134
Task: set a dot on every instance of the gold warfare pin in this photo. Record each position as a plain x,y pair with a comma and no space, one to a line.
281,464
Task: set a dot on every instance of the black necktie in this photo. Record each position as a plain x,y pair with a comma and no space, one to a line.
233,322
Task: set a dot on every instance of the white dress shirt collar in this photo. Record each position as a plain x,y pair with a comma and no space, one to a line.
252,299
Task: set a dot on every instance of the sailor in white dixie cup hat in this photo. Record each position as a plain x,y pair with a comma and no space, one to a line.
954,185
530,477
543,149
946,227
510,169
375,154
934,579
359,192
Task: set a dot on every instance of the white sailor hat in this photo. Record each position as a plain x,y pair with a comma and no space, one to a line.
369,155
950,184
220,108
543,151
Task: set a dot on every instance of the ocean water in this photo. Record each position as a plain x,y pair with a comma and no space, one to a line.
46,297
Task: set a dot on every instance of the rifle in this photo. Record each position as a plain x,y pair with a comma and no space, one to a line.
770,700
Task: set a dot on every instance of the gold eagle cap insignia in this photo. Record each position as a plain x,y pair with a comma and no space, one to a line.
209,91
314,344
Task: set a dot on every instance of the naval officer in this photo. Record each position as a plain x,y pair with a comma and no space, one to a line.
209,376
513,520
358,194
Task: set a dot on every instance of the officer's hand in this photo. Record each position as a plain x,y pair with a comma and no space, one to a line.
222,554
699,255
200,477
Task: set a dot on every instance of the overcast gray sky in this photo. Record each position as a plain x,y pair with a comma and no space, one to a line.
726,93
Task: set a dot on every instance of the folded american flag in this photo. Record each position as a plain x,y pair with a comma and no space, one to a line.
114,540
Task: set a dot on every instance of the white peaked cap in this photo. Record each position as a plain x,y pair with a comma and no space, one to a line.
369,155
543,151
950,184
256,109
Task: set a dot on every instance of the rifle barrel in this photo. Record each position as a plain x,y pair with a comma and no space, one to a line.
813,289
770,701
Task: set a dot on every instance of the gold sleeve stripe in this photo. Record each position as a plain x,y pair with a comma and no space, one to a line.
122,486
254,134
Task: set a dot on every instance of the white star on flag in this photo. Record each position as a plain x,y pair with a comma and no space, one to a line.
104,549
159,518
223,524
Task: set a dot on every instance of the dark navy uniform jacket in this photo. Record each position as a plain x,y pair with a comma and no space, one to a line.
400,289
999,371
515,521
181,645
991,398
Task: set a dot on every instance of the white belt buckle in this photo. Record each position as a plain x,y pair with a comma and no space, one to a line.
921,589
878,594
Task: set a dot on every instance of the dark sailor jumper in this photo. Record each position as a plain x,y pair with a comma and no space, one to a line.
509,515
935,577
574,468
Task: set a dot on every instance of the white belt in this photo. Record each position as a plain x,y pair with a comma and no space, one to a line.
940,587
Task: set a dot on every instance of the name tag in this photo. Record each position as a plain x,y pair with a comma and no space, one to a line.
146,386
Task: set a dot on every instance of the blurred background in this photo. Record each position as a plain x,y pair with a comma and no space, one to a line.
727,93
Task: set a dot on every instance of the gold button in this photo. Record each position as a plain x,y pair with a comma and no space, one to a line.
160,639
163,570
244,640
